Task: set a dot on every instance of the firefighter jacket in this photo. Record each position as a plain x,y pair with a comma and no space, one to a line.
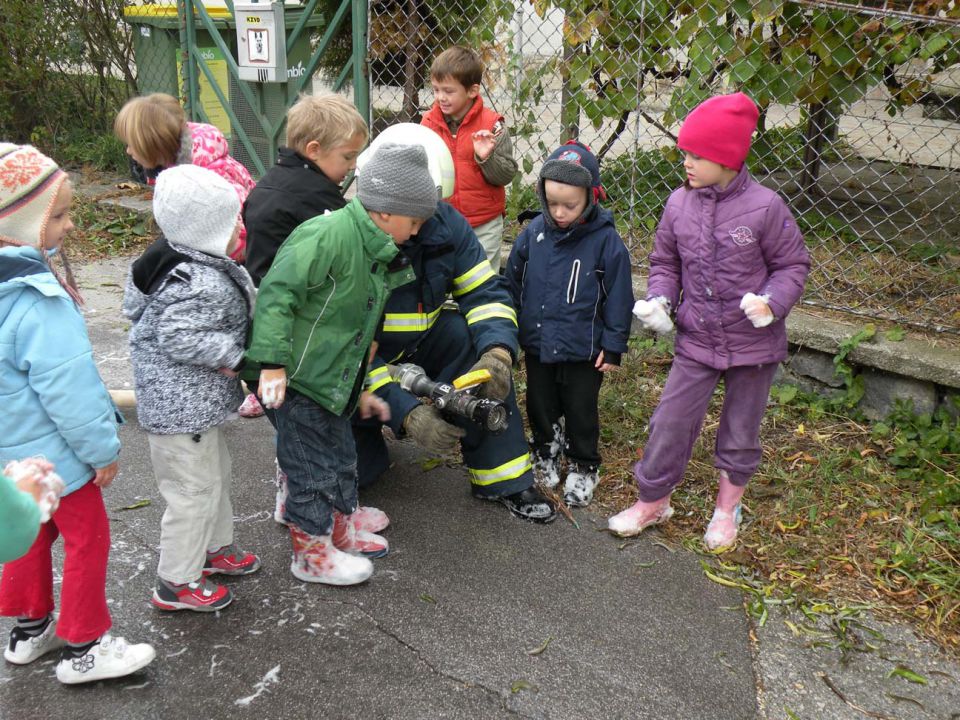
448,262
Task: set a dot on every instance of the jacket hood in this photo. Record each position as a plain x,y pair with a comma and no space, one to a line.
24,266
150,271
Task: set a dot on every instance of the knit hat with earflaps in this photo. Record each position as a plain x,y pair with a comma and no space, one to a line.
196,208
719,129
396,180
29,185
573,163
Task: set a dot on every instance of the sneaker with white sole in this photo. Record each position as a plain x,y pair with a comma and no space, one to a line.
109,657
24,649
230,560
200,596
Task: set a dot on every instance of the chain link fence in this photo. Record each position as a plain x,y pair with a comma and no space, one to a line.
859,130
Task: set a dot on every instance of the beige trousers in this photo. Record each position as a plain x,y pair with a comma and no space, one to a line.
490,235
193,474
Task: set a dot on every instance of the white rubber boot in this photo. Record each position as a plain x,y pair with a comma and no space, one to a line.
315,559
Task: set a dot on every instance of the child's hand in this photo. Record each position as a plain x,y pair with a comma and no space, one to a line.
484,142
653,315
602,366
371,405
229,372
273,387
36,476
106,474
756,309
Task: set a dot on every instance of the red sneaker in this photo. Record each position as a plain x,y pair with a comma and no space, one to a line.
230,560
199,596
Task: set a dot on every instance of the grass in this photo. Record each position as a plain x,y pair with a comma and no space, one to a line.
834,522
105,230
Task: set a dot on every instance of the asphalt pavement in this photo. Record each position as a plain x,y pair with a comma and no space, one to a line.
473,614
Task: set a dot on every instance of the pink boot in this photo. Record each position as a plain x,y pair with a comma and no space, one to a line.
315,559
722,531
250,407
639,516
346,537
370,519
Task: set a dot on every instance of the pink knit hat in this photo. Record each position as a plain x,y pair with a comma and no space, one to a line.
719,129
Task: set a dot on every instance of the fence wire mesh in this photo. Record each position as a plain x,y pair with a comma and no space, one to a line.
860,118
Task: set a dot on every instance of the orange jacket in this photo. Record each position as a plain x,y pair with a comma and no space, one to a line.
478,200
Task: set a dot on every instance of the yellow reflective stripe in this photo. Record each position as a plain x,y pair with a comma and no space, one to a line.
410,322
491,310
508,471
472,278
377,378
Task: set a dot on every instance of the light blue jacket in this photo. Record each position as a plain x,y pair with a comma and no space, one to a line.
52,400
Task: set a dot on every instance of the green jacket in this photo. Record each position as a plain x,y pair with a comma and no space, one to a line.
320,304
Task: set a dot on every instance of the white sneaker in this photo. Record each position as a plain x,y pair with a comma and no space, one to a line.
109,657
23,649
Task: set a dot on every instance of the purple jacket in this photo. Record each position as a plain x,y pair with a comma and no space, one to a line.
715,246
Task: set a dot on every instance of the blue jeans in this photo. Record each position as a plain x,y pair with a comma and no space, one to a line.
316,450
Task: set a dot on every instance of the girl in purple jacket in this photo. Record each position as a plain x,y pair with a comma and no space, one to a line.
729,257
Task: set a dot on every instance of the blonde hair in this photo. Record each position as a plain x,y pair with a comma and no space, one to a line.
328,119
152,126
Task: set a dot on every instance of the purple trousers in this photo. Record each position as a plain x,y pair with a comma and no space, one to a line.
676,423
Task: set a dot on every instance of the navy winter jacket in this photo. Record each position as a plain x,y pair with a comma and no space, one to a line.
572,289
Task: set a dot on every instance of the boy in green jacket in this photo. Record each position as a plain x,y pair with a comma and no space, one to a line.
316,315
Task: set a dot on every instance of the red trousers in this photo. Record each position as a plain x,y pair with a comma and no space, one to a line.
26,588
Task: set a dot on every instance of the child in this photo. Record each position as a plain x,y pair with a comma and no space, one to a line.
191,307
479,142
317,311
569,274
729,251
157,135
56,406
325,134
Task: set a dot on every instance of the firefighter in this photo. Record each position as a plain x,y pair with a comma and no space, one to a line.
456,316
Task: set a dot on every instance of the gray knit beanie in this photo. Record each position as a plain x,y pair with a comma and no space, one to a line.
397,180
196,208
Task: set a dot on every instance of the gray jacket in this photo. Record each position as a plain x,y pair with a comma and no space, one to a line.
191,313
